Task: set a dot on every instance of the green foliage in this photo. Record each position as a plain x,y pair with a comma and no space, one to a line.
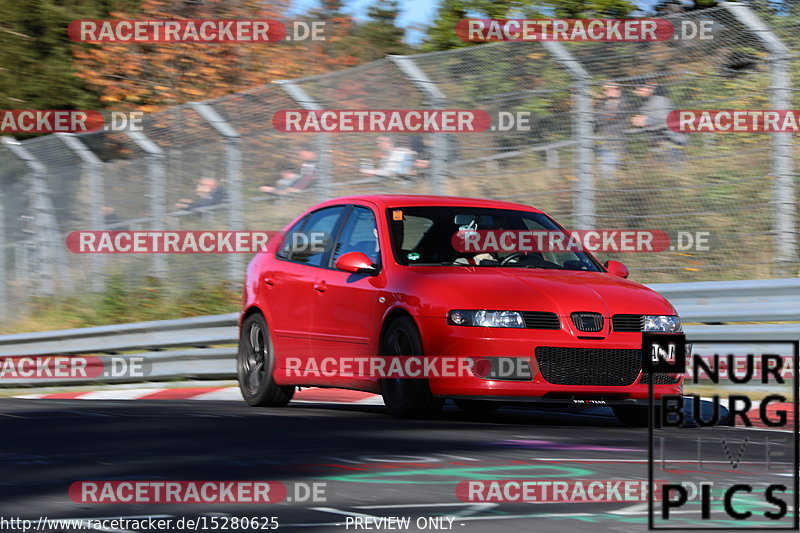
441,34
672,6
380,33
122,302
576,9
36,69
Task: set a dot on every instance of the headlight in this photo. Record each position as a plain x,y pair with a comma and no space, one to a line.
662,323
487,319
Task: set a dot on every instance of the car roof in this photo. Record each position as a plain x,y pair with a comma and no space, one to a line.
407,200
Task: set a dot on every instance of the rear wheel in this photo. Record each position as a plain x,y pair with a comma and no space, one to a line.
255,362
406,398
635,415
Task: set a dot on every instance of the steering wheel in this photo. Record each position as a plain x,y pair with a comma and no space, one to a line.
515,255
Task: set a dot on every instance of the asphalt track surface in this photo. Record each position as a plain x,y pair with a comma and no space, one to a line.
372,465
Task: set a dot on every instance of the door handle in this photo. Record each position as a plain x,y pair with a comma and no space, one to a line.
321,286
269,281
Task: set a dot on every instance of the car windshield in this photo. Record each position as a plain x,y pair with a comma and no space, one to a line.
423,235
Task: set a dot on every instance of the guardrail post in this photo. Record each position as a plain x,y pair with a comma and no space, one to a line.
233,179
158,210
435,99
783,191
44,225
323,181
93,169
583,130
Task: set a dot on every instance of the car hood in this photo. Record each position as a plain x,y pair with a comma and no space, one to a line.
558,291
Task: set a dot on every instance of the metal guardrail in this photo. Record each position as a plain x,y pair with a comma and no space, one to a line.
156,335
761,300
195,347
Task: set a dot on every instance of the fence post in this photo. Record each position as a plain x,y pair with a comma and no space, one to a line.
158,210
583,130
783,191
233,179
43,222
299,95
436,99
93,168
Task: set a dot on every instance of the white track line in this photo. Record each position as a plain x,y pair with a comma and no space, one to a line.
129,394
372,400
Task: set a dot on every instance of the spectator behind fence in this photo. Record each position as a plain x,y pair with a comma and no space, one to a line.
421,148
393,161
652,118
613,116
294,178
207,193
110,217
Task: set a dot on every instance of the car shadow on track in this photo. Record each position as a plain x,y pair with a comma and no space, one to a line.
511,415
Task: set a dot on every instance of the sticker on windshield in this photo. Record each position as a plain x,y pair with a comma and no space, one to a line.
413,256
397,214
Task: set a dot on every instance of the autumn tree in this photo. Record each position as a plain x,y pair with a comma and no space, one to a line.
148,76
341,47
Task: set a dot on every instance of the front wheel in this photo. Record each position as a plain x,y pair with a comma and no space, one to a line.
255,362
406,398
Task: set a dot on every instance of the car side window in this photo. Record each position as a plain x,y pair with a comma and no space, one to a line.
312,244
286,250
360,234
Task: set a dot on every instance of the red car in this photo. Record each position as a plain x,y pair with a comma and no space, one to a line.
384,279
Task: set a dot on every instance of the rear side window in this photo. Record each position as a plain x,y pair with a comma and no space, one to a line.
360,234
312,241
286,250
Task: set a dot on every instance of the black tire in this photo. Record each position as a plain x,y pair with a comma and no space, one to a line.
477,407
255,362
635,415
406,398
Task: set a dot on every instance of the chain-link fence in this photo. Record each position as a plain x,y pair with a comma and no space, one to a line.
221,164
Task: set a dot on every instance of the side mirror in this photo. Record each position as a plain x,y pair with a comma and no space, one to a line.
357,263
616,268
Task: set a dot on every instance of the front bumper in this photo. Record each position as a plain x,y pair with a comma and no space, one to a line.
442,339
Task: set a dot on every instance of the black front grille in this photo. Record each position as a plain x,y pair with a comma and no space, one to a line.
660,379
589,322
540,320
588,366
628,322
